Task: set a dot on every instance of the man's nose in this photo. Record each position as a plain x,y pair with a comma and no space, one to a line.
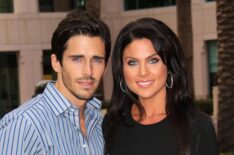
88,68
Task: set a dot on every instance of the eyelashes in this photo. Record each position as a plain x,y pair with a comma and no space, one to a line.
76,59
94,59
153,60
98,60
134,62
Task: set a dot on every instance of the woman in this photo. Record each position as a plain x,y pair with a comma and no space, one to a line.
151,110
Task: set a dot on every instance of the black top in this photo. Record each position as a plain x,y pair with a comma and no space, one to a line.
160,138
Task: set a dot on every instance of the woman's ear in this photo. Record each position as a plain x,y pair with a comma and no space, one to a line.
55,63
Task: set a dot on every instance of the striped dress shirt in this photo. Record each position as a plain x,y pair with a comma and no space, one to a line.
49,124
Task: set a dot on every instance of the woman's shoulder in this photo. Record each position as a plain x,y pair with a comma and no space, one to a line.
200,120
202,132
108,120
104,122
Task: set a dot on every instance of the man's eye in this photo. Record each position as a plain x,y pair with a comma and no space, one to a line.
132,63
76,59
98,60
153,61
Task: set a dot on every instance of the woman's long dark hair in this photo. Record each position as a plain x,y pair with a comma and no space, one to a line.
178,99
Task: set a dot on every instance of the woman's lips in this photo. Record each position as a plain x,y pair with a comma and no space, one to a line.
145,84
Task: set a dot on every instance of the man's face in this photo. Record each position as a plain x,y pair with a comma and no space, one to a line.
82,67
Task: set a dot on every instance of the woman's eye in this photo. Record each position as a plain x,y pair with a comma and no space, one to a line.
132,63
153,61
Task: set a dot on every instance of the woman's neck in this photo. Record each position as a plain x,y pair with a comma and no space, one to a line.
155,109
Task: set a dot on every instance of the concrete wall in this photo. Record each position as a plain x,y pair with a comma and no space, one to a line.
29,33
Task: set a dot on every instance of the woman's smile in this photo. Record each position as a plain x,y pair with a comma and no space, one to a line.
145,83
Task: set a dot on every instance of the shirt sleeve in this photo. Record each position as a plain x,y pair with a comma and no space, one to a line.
19,137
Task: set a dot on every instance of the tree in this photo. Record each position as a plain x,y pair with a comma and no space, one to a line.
185,34
93,6
225,29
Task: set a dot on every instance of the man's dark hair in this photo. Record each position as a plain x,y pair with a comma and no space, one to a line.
79,22
40,87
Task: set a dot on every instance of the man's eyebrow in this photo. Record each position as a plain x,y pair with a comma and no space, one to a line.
99,57
82,56
76,56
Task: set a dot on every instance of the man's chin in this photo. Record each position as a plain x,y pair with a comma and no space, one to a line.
84,96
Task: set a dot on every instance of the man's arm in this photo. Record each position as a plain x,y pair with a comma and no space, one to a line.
19,137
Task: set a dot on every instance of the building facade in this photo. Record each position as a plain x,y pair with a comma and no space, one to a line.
26,28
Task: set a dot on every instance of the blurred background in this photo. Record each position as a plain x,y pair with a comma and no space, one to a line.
205,28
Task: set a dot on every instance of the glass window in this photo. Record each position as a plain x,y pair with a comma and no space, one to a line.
212,63
60,5
78,4
48,72
46,5
143,4
6,6
9,87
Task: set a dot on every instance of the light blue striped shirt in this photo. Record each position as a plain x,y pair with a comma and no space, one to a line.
49,124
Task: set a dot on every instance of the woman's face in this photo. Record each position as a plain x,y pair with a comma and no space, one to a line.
144,71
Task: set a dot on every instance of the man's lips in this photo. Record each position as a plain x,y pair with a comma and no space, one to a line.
145,83
86,84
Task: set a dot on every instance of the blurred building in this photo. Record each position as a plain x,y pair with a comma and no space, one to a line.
26,27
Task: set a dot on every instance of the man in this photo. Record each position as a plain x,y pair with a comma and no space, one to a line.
65,118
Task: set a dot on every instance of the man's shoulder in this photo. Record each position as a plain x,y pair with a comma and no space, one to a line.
23,112
20,130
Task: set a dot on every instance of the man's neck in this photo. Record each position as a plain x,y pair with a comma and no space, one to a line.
78,103
81,104
82,121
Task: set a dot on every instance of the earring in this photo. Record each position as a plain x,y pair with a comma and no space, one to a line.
171,80
120,84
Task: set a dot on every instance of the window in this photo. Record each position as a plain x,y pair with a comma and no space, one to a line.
48,72
6,6
60,5
46,5
79,4
9,87
143,4
212,63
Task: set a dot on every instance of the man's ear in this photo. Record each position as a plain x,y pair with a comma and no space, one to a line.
55,63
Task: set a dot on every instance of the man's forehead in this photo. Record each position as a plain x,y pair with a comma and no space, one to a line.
85,45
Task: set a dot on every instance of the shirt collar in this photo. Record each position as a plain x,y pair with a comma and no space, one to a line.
59,103
94,103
